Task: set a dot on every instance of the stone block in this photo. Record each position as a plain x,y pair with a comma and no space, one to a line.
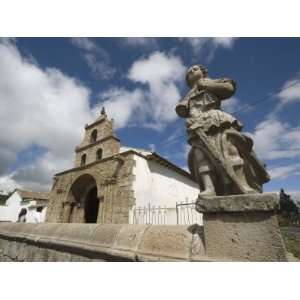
165,242
239,203
242,228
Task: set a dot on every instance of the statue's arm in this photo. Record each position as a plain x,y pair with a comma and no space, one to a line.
223,88
182,108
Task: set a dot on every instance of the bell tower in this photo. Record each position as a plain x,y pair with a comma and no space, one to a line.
99,141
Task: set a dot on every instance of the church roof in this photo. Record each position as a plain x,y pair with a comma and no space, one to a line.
146,154
32,195
149,155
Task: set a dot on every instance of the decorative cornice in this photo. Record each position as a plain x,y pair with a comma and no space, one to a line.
88,126
79,149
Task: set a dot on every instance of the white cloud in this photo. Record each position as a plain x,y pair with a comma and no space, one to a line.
99,64
208,46
7,184
121,105
160,73
47,108
226,42
284,171
152,105
231,105
96,58
41,107
274,139
290,92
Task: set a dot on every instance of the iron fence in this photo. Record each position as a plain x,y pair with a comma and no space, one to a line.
149,215
184,213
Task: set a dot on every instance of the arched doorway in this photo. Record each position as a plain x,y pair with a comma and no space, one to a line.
91,206
83,201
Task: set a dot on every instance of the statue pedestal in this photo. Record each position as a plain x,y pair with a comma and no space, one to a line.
242,227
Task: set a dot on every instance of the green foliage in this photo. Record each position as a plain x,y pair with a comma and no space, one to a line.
289,212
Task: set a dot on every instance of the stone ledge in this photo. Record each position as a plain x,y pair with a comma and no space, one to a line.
238,203
72,242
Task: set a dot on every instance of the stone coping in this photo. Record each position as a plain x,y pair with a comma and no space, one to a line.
238,203
112,242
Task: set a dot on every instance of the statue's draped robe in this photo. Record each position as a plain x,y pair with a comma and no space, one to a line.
201,108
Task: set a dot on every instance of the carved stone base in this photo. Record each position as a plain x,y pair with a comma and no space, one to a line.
242,227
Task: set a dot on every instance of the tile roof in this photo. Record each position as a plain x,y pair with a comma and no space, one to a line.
33,195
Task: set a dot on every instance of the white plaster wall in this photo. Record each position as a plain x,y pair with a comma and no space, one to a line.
13,206
3,213
158,186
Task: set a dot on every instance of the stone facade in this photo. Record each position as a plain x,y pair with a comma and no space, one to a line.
107,178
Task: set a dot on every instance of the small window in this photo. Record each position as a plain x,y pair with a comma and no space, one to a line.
83,160
99,154
94,136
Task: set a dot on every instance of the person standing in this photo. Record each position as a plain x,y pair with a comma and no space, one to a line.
22,216
38,215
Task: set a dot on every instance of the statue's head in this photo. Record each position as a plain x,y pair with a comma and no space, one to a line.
195,73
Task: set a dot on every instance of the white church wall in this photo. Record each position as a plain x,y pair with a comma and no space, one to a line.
157,189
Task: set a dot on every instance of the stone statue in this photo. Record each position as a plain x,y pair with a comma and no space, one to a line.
221,158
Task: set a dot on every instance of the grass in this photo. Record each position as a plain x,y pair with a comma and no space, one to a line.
291,241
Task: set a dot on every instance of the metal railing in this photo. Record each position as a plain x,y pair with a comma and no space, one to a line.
184,213
149,215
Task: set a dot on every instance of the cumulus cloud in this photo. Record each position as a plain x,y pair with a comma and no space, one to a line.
47,108
159,73
208,46
152,103
274,139
121,105
96,58
38,107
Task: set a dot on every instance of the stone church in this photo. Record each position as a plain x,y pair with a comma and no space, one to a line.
109,182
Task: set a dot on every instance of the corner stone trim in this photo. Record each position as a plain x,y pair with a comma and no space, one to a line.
238,203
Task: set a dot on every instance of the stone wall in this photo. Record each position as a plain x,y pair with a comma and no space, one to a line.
110,146
94,242
114,178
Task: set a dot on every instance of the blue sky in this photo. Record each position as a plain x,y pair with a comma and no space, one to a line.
51,87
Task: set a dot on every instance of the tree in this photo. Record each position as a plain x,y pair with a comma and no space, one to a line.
289,212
